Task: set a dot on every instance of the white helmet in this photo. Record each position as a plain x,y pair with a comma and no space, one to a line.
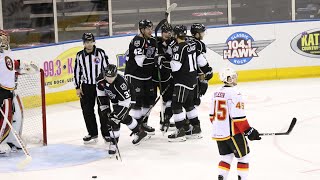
228,72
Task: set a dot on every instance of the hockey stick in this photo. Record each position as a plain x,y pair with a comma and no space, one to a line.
28,159
163,21
160,24
155,102
293,123
116,142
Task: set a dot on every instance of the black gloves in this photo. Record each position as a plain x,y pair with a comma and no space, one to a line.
203,86
252,134
114,119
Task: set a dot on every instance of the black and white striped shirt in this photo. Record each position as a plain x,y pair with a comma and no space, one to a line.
88,66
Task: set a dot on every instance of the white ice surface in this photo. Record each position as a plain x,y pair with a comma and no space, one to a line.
270,107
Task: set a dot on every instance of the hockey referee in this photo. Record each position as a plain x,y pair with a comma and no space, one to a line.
89,64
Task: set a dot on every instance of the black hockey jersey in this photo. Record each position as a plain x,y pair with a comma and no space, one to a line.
117,92
184,64
140,61
165,70
201,59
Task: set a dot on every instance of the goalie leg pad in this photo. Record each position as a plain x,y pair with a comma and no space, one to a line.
17,120
4,128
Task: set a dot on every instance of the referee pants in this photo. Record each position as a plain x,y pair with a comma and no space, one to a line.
88,101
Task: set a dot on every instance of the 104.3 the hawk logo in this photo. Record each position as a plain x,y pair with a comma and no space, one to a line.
240,48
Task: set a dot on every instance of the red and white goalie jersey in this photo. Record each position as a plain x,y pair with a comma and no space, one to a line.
227,113
8,68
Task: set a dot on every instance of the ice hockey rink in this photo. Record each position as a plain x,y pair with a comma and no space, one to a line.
270,107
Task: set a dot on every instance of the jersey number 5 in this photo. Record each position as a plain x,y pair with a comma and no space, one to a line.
220,110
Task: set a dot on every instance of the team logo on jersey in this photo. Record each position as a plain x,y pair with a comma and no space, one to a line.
96,60
175,49
150,51
110,94
9,63
137,90
240,48
123,86
136,43
307,43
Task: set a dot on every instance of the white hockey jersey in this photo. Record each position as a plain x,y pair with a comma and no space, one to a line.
227,113
7,71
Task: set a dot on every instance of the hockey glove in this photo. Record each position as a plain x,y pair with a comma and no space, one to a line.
203,87
114,118
209,74
158,59
252,134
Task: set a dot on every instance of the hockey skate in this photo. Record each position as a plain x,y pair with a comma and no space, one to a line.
112,149
149,130
90,139
106,139
141,135
220,177
5,150
194,132
178,136
14,148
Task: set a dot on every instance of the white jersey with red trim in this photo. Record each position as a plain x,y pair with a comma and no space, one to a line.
7,71
227,113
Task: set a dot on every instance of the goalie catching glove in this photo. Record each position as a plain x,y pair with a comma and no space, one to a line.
28,67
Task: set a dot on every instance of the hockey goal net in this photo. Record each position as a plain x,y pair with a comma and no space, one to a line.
30,89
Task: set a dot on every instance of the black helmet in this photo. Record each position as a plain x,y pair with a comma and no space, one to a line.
180,30
111,70
166,28
197,28
88,37
145,23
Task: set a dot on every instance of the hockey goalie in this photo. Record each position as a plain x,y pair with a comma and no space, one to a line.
11,109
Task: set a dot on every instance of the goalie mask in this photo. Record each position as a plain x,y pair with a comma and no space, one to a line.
228,76
4,40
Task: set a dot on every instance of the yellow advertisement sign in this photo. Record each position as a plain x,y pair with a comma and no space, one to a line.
59,71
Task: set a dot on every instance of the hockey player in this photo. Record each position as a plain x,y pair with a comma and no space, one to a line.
204,71
113,87
230,126
138,71
165,44
184,72
8,70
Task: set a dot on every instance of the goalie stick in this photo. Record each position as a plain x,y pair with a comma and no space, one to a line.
28,158
293,123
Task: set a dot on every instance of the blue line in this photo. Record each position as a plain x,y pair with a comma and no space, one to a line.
261,23
124,35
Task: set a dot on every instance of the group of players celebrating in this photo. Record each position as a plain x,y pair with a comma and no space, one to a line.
173,65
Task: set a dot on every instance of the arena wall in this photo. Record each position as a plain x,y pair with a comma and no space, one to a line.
257,51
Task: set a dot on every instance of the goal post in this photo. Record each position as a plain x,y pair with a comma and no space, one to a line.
31,90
